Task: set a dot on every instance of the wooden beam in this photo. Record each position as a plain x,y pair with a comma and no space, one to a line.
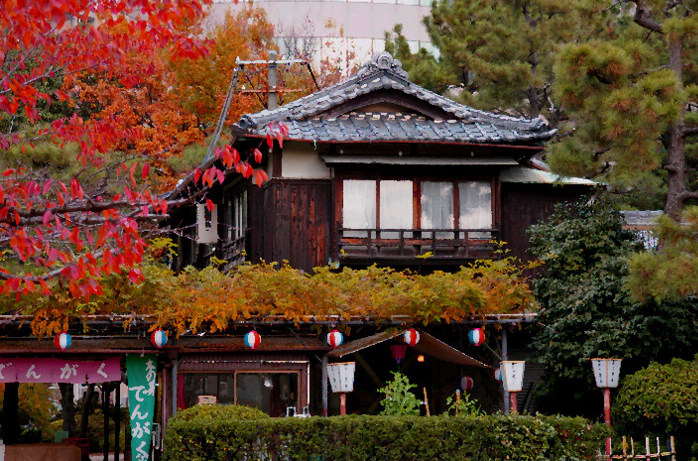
121,345
364,364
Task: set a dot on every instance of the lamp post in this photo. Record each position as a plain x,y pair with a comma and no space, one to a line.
512,378
606,374
341,376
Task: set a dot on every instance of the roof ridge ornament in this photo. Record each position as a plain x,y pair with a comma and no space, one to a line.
383,61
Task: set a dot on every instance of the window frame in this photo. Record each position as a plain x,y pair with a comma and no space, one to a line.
493,179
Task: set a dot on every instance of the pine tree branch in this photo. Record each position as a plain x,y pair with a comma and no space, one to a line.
643,18
685,195
690,130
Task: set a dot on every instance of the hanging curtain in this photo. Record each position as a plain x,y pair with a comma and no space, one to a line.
475,208
437,208
358,206
396,207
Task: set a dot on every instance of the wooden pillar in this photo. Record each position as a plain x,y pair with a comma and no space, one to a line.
117,419
10,414
513,404
325,410
505,356
105,411
607,417
342,403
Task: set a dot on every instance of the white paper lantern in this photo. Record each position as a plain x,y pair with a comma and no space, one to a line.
606,372
512,375
341,376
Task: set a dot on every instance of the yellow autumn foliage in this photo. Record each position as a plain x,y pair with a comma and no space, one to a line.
210,300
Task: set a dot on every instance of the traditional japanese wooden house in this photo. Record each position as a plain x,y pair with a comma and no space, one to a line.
379,170
373,170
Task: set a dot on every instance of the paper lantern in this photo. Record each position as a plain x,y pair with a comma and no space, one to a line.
252,339
498,374
411,337
341,376
335,338
513,373
398,351
158,338
476,336
467,383
606,372
62,341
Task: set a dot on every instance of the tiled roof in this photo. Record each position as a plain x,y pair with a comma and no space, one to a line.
523,175
405,127
383,72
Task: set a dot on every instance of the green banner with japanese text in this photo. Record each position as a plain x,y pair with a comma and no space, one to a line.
141,372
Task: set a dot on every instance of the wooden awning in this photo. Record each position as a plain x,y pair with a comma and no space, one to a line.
427,344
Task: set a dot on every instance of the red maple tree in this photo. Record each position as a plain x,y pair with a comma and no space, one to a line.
69,230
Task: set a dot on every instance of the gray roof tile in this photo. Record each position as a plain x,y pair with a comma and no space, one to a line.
385,72
380,127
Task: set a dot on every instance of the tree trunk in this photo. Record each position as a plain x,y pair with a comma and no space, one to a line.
86,409
676,152
68,408
10,414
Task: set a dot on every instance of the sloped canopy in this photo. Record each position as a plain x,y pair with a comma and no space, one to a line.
427,344
334,113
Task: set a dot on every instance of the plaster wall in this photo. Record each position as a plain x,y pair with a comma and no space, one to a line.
302,161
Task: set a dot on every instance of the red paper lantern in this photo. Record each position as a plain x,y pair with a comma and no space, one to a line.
252,339
411,337
398,351
476,336
335,338
467,383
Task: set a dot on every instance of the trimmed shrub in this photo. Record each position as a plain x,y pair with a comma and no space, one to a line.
661,400
211,413
385,438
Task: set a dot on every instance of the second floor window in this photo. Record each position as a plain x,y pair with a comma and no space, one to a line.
413,205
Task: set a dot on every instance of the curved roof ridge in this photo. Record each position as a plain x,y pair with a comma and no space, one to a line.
382,71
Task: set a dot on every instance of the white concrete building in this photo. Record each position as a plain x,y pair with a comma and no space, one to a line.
331,27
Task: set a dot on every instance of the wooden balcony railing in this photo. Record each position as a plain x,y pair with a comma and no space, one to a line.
233,251
410,244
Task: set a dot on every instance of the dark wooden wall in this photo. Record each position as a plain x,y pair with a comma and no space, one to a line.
526,204
290,219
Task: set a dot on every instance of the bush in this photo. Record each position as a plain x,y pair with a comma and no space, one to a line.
384,437
212,413
399,399
661,400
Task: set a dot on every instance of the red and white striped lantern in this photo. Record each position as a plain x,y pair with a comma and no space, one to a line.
62,341
411,337
476,336
335,338
252,339
158,338
467,383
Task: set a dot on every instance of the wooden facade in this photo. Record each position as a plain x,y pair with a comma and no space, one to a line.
374,170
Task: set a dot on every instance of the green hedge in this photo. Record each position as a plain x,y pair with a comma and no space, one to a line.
384,438
661,400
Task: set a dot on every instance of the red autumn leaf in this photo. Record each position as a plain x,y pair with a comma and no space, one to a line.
257,155
45,219
145,171
210,205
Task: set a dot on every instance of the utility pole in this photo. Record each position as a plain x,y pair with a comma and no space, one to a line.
273,100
